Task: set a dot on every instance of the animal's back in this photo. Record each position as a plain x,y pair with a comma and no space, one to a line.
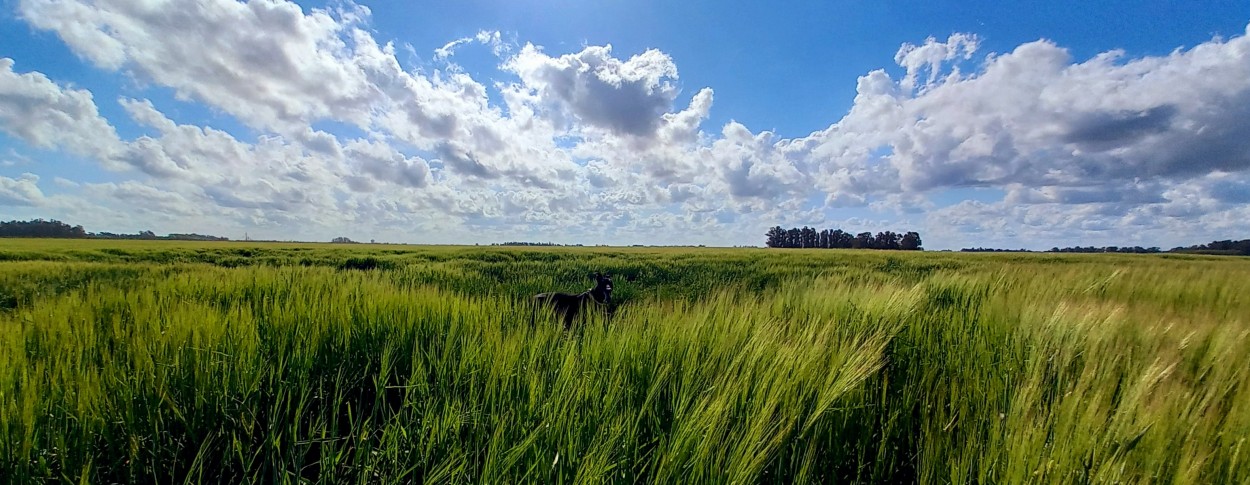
565,305
548,297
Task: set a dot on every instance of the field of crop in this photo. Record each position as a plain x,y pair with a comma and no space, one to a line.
235,362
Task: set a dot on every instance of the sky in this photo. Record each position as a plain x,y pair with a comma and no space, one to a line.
976,123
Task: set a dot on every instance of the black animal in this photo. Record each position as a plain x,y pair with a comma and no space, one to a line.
568,306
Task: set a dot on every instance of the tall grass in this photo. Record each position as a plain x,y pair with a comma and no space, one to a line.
227,363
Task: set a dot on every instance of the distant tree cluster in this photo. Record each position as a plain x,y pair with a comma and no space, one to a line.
1107,249
196,237
523,243
806,237
342,240
139,235
993,250
111,235
41,228
1225,247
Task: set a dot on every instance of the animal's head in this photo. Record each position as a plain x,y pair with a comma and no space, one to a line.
603,286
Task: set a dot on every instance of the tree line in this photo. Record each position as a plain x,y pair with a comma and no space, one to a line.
993,250
1225,247
39,228
526,243
1073,249
1107,249
807,237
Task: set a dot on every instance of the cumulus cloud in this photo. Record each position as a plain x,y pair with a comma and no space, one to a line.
1181,220
624,97
21,191
279,68
753,167
387,165
600,141
47,115
267,62
932,55
1034,117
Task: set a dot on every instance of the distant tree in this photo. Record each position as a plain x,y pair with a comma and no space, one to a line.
840,239
910,242
1108,249
776,237
862,240
523,243
807,237
1225,247
41,228
810,237
342,240
886,240
195,237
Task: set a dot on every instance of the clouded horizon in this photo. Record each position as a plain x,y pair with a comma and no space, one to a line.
310,122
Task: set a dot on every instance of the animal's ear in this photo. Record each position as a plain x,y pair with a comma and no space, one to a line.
594,276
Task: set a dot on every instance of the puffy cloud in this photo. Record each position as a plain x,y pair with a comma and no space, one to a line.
598,143
46,115
387,165
624,97
279,68
266,62
933,54
1033,117
754,167
21,191
1172,214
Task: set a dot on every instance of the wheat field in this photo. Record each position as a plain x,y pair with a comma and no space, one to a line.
168,362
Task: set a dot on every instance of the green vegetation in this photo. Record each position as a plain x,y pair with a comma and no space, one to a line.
158,361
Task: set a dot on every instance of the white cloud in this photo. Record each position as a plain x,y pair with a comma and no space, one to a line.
754,167
21,191
387,165
485,37
1190,212
266,62
1034,117
136,196
46,115
932,55
13,158
279,68
593,144
624,97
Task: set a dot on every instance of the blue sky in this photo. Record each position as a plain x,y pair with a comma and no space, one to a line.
973,123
